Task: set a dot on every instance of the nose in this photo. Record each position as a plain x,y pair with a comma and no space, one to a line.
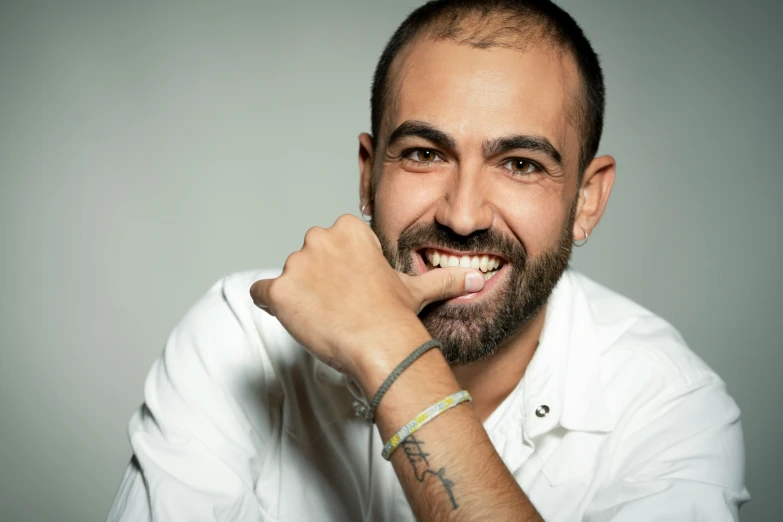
465,208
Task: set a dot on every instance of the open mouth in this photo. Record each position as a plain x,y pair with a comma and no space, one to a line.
488,264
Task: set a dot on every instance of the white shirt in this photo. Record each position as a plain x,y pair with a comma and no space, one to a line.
241,423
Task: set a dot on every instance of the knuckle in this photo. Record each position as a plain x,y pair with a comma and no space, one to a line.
445,286
273,292
272,289
313,235
292,260
346,220
281,288
451,284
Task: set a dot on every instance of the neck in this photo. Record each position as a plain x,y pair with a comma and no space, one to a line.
489,381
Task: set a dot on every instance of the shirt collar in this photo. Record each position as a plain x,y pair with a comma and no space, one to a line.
562,385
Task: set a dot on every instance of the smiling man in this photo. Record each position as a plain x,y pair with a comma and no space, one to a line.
547,396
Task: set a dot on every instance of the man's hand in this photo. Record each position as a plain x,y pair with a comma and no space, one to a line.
339,297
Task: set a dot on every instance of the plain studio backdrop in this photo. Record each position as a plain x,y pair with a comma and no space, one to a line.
148,148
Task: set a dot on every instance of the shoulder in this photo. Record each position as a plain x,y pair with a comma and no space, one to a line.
224,331
227,306
668,406
226,310
648,379
632,337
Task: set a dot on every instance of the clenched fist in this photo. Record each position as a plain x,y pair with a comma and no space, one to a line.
340,298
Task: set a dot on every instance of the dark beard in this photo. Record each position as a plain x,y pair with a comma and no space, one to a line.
470,332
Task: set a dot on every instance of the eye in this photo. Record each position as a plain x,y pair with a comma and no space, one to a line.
521,166
421,155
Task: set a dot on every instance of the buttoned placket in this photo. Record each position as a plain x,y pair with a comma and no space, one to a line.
544,376
543,388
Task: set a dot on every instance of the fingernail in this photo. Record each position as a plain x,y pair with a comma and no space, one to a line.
474,282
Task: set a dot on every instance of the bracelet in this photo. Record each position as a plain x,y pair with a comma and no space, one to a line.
368,413
421,419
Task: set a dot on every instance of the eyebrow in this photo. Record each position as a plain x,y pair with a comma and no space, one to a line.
520,141
420,129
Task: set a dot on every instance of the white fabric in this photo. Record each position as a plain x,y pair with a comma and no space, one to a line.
241,423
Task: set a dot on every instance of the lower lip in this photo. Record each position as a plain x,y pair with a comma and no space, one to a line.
488,284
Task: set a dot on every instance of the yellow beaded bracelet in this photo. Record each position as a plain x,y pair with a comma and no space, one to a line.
421,419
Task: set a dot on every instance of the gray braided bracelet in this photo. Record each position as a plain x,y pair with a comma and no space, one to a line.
368,413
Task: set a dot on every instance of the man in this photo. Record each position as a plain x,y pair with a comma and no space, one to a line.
479,176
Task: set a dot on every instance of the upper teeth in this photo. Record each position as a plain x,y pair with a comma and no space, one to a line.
485,263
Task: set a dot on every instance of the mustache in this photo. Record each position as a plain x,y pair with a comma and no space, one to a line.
487,240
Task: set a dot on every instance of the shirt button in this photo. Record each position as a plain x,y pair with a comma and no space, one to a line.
542,410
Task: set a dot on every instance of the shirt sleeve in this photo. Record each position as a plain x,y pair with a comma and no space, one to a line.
682,459
198,441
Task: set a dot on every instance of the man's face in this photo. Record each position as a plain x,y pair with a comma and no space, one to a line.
479,168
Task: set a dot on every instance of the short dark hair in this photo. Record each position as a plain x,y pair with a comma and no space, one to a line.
499,22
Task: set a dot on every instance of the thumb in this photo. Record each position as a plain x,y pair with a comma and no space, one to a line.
443,283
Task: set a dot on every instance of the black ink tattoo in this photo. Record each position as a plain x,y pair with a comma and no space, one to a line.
421,466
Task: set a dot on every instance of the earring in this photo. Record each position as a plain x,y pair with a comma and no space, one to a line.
364,216
583,242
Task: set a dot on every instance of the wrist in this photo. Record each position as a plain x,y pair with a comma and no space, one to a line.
427,381
379,355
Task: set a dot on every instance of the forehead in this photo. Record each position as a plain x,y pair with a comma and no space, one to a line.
478,94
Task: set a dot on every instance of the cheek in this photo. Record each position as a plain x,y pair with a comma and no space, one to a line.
536,219
402,199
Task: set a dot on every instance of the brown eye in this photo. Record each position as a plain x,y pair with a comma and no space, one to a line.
422,155
520,166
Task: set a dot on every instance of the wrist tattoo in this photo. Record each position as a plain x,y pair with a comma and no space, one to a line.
417,458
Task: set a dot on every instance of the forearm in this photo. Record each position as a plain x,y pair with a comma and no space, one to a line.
341,280
448,469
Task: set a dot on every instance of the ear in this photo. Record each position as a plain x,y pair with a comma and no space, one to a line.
366,157
593,196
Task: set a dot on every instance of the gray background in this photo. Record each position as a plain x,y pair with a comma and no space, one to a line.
146,150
